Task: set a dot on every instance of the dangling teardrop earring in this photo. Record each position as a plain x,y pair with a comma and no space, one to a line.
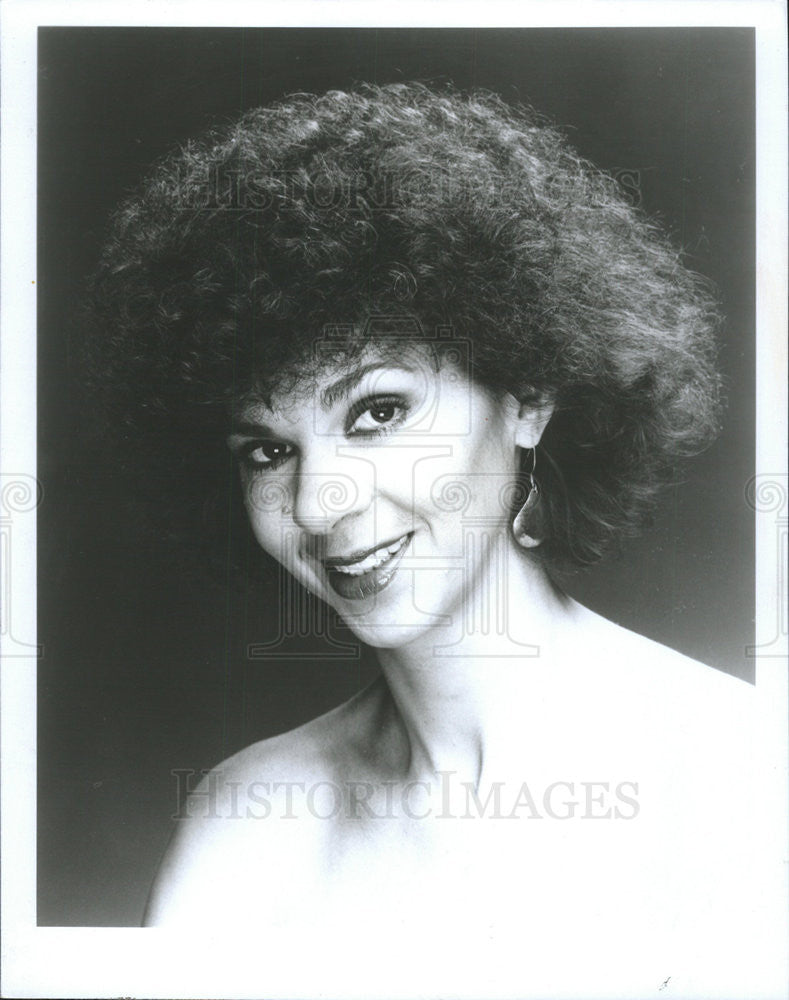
524,517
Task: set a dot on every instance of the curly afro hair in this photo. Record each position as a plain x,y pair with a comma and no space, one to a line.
453,211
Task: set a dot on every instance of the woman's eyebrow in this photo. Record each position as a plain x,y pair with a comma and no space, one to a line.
347,383
252,428
329,396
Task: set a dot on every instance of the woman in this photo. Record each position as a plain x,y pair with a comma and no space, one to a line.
450,362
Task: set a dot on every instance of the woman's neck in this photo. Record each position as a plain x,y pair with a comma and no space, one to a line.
462,694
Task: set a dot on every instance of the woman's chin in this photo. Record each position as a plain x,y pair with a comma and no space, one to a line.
383,630
386,623
384,637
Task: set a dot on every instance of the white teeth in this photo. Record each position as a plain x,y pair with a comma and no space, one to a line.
372,561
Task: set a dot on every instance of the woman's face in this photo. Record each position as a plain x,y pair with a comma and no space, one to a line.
373,486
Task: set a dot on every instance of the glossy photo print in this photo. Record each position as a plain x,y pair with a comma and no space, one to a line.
397,422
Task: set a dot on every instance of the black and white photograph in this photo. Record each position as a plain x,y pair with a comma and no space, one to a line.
394,523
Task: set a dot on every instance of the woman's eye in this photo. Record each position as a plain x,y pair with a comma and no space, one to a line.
265,454
378,415
383,414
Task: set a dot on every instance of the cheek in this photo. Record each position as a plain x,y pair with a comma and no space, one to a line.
267,535
475,483
264,503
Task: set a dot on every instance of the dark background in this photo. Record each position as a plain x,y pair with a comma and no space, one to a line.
145,666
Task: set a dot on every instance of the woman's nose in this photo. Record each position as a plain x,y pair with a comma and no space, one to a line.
329,486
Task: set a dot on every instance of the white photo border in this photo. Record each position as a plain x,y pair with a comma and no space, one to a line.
102,962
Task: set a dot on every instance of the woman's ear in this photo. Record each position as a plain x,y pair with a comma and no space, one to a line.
531,422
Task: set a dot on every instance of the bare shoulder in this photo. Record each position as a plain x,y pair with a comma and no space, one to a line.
675,681
324,749
661,711
257,812
696,734
684,722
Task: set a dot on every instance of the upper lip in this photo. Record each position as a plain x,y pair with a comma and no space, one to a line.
360,554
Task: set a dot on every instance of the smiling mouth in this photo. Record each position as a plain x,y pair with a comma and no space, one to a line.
369,572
